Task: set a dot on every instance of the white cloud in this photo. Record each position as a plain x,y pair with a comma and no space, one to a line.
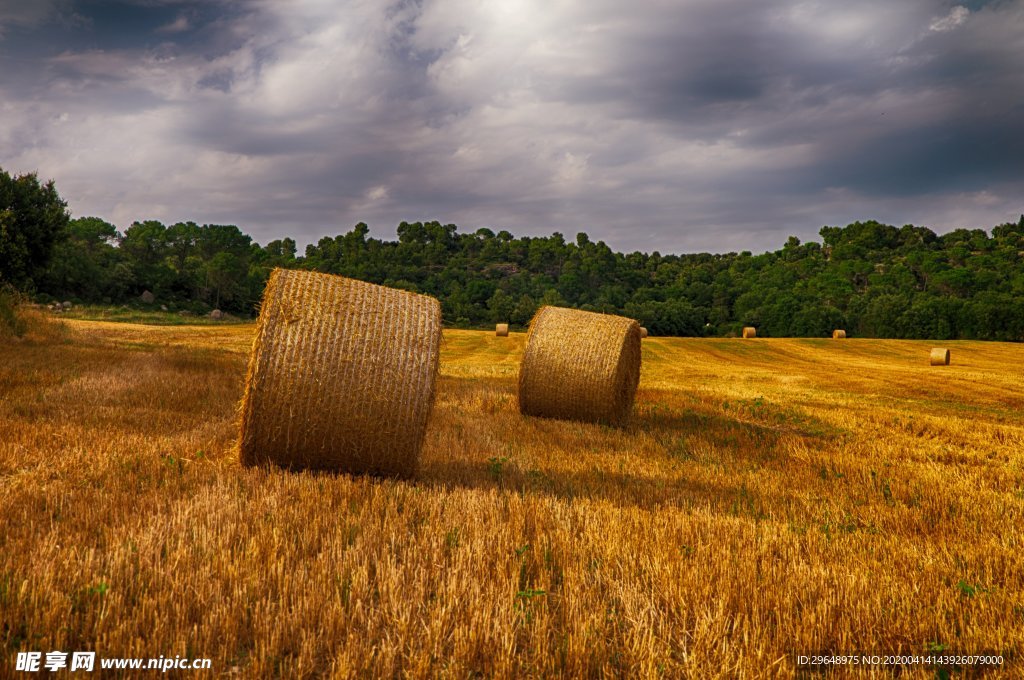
956,16
377,193
177,26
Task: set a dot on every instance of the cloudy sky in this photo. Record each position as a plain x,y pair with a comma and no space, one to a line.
666,125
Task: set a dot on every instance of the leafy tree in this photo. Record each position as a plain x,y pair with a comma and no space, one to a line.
501,306
524,310
33,218
85,262
146,250
553,298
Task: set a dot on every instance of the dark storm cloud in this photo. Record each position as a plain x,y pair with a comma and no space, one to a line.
966,155
721,125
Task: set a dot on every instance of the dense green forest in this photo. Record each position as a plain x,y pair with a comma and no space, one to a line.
872,279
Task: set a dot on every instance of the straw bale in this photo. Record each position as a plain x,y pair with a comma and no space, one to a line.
580,366
749,332
501,330
341,375
643,332
939,357
838,334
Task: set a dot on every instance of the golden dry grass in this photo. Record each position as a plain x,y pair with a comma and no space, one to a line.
767,499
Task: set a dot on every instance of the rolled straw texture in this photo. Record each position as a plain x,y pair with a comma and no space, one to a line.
580,366
749,332
838,334
341,375
939,357
643,332
501,330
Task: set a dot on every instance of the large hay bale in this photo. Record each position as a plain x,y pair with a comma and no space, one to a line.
939,357
501,330
643,332
838,334
580,366
749,332
341,375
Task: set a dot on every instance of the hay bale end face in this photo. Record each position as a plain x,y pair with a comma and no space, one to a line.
341,376
838,334
580,366
749,332
501,330
643,332
939,357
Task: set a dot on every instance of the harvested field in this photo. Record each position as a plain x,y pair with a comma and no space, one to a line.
766,500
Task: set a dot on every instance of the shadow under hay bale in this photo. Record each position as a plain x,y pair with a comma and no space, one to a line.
501,330
580,366
749,332
341,376
838,334
939,357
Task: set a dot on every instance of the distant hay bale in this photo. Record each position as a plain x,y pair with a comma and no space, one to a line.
838,334
939,357
749,332
643,332
501,330
341,375
580,366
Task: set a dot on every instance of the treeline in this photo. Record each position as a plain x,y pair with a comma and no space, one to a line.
872,279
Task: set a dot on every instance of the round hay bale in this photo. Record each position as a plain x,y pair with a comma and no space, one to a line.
838,334
501,330
749,332
939,357
580,366
216,315
643,332
341,375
